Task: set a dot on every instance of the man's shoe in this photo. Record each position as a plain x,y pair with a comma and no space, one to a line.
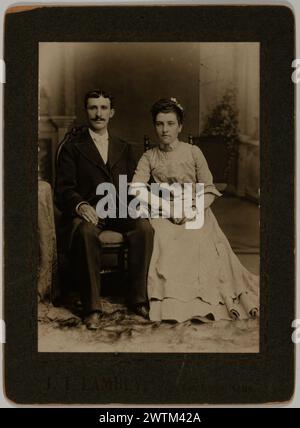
93,320
142,310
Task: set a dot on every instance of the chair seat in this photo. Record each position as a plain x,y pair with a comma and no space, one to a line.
111,238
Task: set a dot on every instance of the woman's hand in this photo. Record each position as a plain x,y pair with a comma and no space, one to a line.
178,221
88,213
188,215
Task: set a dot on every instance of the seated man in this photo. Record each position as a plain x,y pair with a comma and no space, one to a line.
89,159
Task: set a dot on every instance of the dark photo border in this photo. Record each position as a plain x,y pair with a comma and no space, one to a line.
32,377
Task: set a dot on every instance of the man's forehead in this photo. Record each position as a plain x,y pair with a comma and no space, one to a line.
98,101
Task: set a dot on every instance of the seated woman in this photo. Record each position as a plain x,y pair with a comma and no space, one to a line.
193,272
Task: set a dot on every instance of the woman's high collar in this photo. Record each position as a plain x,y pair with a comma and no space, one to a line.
169,147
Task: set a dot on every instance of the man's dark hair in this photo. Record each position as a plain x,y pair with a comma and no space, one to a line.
97,93
168,105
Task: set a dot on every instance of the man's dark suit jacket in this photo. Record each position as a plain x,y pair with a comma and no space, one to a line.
80,169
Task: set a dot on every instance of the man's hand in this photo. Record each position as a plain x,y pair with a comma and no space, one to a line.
88,213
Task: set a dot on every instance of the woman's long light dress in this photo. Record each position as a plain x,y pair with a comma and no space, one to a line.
193,272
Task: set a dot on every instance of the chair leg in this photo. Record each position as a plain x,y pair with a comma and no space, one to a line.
121,260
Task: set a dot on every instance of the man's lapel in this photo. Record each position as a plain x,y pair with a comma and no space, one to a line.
88,149
115,150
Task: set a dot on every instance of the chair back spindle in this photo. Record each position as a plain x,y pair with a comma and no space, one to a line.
146,143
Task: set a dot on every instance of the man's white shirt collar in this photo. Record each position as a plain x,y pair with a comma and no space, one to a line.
98,137
101,143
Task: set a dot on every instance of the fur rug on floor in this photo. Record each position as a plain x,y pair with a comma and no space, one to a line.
60,330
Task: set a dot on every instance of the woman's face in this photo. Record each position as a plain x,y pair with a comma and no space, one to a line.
167,127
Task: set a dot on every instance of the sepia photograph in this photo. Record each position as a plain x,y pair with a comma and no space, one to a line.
127,125
149,191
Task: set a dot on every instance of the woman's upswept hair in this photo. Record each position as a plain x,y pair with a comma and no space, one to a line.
97,93
168,105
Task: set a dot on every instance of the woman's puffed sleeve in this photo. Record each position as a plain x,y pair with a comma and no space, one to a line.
203,173
143,170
